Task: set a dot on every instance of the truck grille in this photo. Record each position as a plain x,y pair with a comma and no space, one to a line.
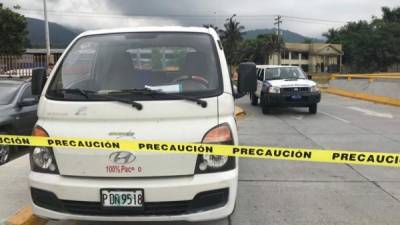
157,208
295,89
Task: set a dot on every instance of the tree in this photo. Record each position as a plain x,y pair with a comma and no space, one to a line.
332,36
231,39
370,46
391,15
219,31
387,34
13,32
308,41
258,50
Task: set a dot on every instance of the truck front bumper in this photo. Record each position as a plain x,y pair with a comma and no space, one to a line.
291,99
191,198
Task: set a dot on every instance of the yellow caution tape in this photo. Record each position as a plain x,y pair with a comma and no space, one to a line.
259,152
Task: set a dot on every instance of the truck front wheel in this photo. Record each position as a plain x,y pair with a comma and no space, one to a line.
254,99
265,109
312,109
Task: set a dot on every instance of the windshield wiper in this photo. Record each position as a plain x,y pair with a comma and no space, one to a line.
148,91
88,94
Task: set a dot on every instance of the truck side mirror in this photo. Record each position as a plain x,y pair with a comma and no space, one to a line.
27,102
247,81
39,77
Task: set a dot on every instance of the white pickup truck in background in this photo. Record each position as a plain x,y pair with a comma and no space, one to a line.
285,86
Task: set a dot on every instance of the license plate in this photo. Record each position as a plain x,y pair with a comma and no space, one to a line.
122,198
296,97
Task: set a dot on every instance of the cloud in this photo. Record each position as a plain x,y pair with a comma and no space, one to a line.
89,14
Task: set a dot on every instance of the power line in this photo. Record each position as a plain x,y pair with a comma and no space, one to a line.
186,16
140,15
310,22
315,19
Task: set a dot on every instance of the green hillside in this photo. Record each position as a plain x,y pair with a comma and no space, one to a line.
288,36
60,36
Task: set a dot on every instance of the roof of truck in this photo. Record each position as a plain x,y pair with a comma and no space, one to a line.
272,66
150,29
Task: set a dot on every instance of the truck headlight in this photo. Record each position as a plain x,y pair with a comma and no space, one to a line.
314,88
215,161
42,158
220,134
273,89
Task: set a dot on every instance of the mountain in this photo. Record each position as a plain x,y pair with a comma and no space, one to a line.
60,36
288,36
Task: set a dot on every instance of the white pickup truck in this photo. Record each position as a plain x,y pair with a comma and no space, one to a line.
284,86
156,83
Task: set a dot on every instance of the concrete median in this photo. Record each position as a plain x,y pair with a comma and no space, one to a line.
384,91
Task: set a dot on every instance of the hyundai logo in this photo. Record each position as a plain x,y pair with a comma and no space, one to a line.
122,157
296,89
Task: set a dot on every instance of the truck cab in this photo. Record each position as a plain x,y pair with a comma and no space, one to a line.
156,83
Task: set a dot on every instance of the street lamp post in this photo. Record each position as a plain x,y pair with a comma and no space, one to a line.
47,35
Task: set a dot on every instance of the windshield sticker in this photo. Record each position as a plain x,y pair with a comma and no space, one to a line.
176,88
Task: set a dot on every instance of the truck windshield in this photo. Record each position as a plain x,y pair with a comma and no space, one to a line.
7,93
180,63
284,73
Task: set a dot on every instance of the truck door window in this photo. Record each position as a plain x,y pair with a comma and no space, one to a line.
260,74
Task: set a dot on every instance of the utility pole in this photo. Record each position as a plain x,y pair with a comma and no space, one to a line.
278,22
47,35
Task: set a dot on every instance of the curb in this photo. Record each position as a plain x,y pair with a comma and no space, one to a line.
25,216
363,96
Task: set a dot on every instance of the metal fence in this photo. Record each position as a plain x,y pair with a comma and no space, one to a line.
20,66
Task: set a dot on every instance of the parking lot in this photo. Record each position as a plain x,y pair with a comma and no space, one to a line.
286,192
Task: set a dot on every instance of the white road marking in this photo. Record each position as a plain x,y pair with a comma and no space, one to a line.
298,117
334,117
371,113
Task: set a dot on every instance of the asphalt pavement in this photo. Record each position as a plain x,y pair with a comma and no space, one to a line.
289,192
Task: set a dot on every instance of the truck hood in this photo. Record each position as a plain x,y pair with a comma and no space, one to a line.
175,120
291,83
4,107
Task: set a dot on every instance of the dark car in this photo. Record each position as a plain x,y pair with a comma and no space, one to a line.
17,111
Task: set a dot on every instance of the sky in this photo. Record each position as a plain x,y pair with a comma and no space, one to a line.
307,17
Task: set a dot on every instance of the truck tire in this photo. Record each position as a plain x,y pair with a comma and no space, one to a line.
254,99
4,153
265,109
312,109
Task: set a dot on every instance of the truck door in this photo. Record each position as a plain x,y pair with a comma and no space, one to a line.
26,115
260,80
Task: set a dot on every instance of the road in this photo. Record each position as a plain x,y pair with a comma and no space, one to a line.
286,192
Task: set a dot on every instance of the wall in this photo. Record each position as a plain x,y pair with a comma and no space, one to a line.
382,87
